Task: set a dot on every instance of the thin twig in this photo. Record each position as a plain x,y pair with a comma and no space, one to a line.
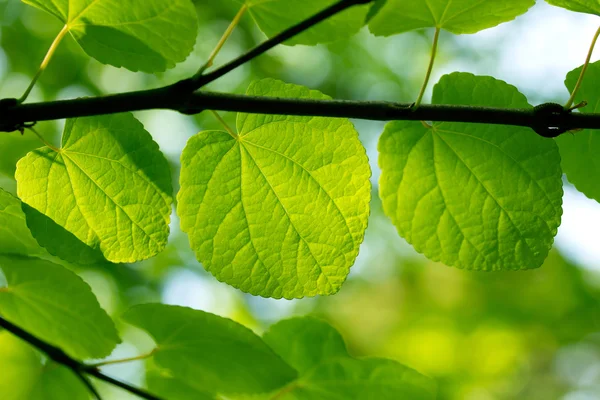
60,357
436,38
583,71
122,360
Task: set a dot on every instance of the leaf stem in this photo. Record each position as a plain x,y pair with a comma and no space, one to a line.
225,125
44,141
583,71
45,62
436,39
123,360
234,23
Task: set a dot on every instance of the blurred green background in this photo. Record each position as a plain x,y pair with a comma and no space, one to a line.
520,335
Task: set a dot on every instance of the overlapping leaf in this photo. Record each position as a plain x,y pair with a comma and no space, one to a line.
210,353
305,342
275,16
54,304
279,210
149,35
579,151
26,377
478,197
365,379
456,16
109,186
15,237
583,6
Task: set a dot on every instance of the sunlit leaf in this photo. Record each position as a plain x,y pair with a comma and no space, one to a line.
275,16
579,151
473,196
305,342
56,305
149,35
210,353
584,6
109,186
279,210
25,376
456,16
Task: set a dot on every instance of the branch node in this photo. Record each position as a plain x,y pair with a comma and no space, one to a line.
549,120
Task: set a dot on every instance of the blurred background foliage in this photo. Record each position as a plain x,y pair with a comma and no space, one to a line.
515,335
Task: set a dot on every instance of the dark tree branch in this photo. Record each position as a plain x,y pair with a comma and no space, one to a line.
80,369
548,120
202,80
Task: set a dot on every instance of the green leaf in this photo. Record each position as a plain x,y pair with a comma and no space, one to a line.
15,237
579,151
149,35
210,353
26,377
279,210
56,305
456,16
365,379
109,186
479,197
275,16
305,342
168,387
583,6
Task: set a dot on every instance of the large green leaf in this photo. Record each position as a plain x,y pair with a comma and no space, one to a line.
281,208
456,16
168,387
149,35
210,353
305,342
275,16
56,305
366,379
479,197
15,237
579,151
109,186
584,6
25,376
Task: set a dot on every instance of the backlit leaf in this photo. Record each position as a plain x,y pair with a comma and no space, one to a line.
281,208
584,6
473,196
109,186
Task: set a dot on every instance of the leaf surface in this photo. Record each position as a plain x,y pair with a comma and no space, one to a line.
364,379
583,6
26,377
56,305
473,196
15,237
456,16
279,210
275,16
305,342
579,151
210,353
149,35
109,186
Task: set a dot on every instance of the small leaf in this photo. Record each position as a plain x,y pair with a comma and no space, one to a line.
456,16
149,35
56,305
109,186
26,377
579,151
365,379
15,237
583,6
473,196
279,210
210,353
275,16
305,342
